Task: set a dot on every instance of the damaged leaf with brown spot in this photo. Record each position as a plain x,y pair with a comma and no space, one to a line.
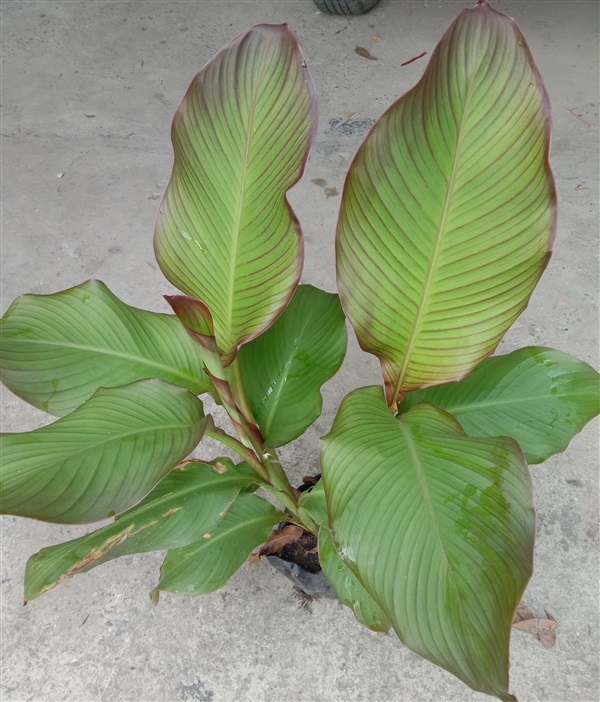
207,564
180,509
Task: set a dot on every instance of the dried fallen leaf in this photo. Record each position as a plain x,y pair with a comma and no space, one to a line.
522,614
280,538
365,54
544,630
347,115
254,558
581,186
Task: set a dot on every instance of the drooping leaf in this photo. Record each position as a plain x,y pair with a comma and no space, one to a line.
207,564
437,526
102,458
225,232
57,350
347,586
540,397
448,212
284,368
180,509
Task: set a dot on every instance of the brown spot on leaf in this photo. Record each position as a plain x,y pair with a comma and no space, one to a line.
172,511
224,512
220,468
206,536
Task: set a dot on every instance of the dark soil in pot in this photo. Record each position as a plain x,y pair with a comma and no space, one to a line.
299,560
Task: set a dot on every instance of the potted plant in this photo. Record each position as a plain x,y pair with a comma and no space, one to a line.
423,518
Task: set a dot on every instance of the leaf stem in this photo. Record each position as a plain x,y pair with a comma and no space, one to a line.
234,444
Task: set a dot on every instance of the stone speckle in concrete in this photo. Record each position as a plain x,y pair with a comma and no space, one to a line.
89,91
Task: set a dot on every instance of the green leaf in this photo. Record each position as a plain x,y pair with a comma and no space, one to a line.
103,457
207,564
348,587
540,397
225,232
437,526
314,504
449,208
285,367
180,509
57,350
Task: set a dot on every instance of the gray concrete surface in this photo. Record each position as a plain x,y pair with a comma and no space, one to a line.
89,90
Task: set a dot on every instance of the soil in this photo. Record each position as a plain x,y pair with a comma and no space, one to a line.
304,552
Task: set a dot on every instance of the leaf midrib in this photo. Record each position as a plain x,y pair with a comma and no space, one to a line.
237,226
117,437
419,471
440,237
117,354
284,374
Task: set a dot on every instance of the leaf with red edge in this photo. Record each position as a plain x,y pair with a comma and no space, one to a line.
225,232
448,212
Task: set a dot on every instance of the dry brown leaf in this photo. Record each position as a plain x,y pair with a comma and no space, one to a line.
280,538
347,115
544,630
254,558
365,54
522,614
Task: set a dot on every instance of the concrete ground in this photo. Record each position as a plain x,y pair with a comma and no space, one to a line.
89,90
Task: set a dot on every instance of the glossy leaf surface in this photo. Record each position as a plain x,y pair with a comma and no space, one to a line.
225,232
540,397
284,368
102,458
448,212
207,564
348,587
437,526
180,509
57,350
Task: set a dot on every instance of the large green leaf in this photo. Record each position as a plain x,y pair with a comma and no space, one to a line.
207,564
540,397
437,526
284,368
348,587
103,457
57,350
225,232
448,213
180,509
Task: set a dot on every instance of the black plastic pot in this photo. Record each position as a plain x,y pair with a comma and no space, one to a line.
314,584
345,7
